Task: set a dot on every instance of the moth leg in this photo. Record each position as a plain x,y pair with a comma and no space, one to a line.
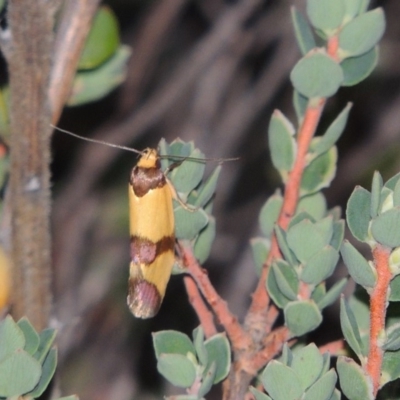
176,197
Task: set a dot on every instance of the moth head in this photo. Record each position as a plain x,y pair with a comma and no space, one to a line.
148,159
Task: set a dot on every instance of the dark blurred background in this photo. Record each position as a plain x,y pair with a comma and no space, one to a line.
211,71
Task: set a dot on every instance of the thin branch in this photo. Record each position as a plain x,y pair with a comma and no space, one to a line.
205,316
238,337
70,39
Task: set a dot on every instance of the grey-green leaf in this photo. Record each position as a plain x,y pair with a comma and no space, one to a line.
333,133
349,327
31,336
300,104
274,291
358,266
393,338
19,373
376,188
390,367
208,380
48,369
208,189
177,369
260,248
307,363
286,278
47,337
95,84
362,33
302,316
283,245
314,204
198,341
188,223
269,214
319,173
322,389
219,351
258,395
355,383
281,143
326,15
332,294
385,228
172,342
317,75
302,30
281,382
358,213
205,240
356,69
320,266
11,337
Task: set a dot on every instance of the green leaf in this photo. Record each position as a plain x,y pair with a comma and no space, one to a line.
385,228
269,214
304,36
338,234
306,239
11,337
356,69
302,316
172,342
203,244
47,337
391,183
317,75
362,33
273,290
349,327
355,383
314,205
219,351
358,213
359,268
258,395
320,266
307,363
281,237
390,367
300,104
48,369
208,380
188,223
208,189
393,338
281,382
322,389
95,84
19,373
333,133
189,174
31,336
376,188
353,8
396,195
177,369
318,293
260,249
102,41
326,15
198,341
395,289
332,294
281,143
73,397
319,173
286,279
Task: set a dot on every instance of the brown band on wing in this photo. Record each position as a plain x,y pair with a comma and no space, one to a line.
144,251
145,179
144,300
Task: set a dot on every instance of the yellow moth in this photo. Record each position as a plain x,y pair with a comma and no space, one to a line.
152,228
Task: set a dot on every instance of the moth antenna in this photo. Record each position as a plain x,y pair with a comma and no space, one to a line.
116,146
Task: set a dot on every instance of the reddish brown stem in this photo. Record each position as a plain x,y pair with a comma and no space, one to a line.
239,338
378,301
205,316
